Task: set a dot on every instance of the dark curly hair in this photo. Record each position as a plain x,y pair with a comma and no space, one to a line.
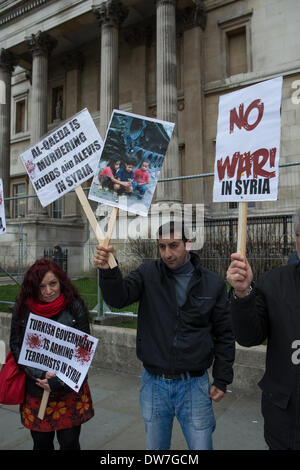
30,287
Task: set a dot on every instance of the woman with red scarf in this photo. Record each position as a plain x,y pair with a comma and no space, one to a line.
47,291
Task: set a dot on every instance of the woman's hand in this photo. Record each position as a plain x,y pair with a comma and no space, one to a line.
43,383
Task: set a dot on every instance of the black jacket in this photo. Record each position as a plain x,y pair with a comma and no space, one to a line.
75,317
272,311
172,339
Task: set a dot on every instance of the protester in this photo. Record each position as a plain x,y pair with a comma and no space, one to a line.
270,310
47,291
183,328
58,256
293,258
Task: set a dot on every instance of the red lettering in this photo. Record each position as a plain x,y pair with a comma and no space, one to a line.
235,119
242,120
258,165
244,165
251,164
227,165
272,157
255,104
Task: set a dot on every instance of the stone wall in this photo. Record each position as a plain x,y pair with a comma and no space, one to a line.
116,351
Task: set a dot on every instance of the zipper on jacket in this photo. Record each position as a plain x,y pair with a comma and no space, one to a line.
174,344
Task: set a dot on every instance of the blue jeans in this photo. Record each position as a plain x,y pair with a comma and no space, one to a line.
140,189
188,400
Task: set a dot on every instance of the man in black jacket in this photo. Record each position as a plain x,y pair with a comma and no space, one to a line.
271,309
183,328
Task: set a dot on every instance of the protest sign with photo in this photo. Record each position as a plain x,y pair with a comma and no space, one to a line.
132,157
248,144
2,210
54,347
64,158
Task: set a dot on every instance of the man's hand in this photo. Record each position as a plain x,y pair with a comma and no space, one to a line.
102,255
239,275
215,393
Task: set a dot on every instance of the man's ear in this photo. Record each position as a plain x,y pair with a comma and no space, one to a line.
188,245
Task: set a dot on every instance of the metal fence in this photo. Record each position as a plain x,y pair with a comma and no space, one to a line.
270,239
62,260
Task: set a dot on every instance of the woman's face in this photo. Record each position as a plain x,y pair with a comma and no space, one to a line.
49,288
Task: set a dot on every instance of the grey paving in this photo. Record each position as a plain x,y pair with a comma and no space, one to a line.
118,424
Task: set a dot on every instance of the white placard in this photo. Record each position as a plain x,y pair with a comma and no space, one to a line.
133,154
2,210
64,158
248,144
51,346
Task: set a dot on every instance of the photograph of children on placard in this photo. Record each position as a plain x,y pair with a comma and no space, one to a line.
132,156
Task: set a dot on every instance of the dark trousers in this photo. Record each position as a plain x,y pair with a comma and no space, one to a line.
68,439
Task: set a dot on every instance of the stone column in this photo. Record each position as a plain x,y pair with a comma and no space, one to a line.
167,95
7,64
110,16
193,20
138,37
40,45
73,64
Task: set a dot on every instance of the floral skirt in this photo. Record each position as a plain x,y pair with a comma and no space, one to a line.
64,410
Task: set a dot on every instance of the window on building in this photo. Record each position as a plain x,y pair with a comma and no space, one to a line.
234,205
57,103
19,205
236,44
20,116
236,51
57,209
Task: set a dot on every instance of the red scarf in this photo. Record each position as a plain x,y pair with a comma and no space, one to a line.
47,309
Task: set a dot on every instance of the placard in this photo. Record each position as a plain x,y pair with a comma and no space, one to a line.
131,160
64,158
54,347
248,144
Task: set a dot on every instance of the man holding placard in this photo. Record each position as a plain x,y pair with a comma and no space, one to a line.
270,310
183,328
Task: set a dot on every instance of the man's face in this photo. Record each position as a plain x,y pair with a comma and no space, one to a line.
298,241
173,251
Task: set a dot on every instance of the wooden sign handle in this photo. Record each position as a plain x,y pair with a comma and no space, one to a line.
43,404
242,228
111,225
93,222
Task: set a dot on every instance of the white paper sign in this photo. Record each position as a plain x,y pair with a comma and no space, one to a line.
131,160
2,210
248,144
51,346
64,158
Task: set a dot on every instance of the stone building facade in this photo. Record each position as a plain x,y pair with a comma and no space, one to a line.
169,59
